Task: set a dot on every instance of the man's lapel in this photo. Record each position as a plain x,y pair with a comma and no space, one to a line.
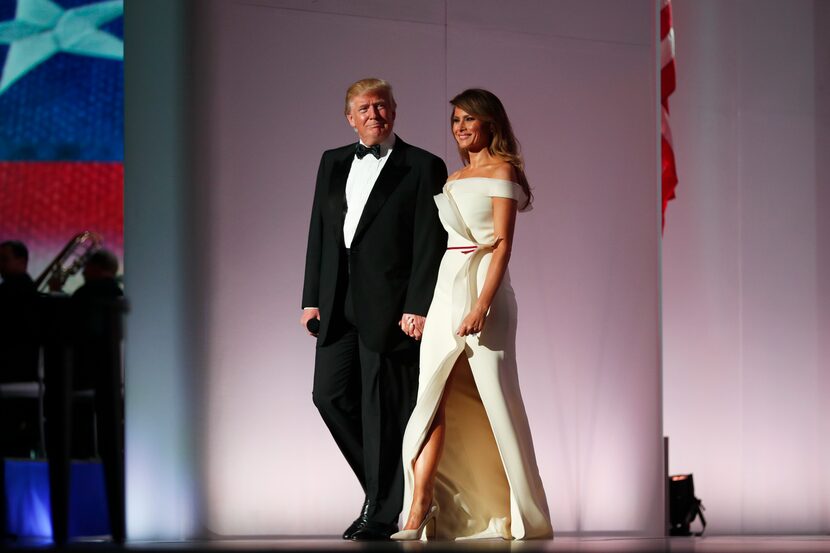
392,173
337,192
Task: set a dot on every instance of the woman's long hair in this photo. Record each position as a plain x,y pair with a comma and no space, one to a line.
486,106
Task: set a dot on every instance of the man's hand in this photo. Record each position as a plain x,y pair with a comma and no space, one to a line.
412,325
309,314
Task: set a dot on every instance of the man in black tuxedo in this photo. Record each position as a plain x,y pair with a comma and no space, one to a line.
374,246
18,323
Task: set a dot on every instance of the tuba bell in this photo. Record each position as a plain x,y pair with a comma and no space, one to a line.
69,261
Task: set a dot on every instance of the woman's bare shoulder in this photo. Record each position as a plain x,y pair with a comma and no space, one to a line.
497,170
504,171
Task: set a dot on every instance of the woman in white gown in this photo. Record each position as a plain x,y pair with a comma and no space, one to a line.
469,465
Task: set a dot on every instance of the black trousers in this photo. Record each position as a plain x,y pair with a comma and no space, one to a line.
365,398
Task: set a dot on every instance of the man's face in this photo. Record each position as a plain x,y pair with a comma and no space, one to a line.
372,116
94,272
9,264
5,258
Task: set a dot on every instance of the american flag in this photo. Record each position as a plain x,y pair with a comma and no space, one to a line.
61,123
667,86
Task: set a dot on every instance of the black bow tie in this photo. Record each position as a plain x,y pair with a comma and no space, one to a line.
363,150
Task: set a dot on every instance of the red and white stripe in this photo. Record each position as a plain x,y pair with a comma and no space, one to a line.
667,86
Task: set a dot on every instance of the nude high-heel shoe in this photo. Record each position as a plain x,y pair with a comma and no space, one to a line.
426,529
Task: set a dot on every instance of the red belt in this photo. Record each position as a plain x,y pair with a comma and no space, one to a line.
463,249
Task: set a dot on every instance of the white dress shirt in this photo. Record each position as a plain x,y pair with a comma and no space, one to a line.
359,184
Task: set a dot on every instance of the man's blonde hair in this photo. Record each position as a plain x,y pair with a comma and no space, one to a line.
368,85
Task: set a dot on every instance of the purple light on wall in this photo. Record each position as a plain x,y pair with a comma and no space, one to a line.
28,504
27,493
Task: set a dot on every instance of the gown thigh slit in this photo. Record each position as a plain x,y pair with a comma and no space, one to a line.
487,483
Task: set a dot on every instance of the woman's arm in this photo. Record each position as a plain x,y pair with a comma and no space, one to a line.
504,222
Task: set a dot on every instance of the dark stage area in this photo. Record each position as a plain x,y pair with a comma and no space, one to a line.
600,544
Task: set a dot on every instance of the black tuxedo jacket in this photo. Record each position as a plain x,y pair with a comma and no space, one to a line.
395,252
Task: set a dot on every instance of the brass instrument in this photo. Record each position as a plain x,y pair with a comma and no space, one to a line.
69,261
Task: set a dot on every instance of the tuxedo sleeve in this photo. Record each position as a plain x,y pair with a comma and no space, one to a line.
429,240
314,249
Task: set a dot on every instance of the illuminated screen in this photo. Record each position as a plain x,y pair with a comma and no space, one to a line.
61,125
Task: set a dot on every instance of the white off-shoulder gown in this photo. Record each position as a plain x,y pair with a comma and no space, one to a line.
488,483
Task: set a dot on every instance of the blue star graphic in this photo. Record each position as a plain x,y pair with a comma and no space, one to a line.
41,29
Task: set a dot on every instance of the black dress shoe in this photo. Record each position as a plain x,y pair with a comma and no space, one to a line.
359,522
375,531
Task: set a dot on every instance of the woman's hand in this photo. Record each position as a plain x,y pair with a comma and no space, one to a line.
473,323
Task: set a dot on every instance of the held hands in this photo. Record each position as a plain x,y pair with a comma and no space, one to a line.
473,323
309,314
412,325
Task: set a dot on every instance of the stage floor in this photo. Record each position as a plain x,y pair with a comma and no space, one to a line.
563,544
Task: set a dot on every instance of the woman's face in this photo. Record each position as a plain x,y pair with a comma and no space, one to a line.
469,131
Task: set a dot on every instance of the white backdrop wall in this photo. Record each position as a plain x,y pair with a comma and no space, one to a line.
162,381
746,264
821,62
578,79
